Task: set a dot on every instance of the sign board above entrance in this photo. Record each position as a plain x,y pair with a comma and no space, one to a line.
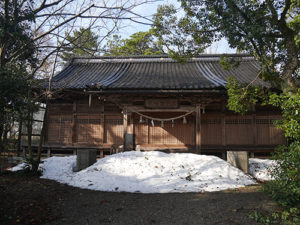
165,103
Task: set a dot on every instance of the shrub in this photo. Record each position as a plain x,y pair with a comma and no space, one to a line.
31,167
285,189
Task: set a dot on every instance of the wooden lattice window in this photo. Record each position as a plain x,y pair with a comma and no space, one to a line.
238,121
211,121
89,130
60,129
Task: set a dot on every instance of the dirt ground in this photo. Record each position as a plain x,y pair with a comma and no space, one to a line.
31,200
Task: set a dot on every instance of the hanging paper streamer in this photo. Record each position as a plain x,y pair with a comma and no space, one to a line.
184,120
152,122
172,123
141,119
162,123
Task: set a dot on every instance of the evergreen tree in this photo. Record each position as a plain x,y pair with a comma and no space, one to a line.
269,30
83,42
140,43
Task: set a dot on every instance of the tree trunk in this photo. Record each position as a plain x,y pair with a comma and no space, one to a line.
43,132
1,131
19,137
5,140
29,133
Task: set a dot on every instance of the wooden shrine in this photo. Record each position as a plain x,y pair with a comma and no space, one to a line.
156,103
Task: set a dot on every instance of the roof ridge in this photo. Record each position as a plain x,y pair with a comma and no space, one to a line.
161,56
129,59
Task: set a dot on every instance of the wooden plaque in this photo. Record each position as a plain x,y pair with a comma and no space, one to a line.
165,103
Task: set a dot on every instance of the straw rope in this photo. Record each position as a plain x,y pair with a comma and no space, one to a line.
162,119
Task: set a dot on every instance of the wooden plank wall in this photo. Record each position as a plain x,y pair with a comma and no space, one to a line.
93,126
175,133
84,125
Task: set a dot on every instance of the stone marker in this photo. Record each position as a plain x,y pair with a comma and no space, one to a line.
239,159
138,148
85,158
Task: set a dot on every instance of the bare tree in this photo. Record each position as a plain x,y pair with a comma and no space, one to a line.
47,22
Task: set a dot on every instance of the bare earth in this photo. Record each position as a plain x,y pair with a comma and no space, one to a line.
37,201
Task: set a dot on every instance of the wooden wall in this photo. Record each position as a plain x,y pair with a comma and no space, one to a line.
79,124
102,125
171,134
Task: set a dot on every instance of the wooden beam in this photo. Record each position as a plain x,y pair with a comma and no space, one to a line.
143,109
198,129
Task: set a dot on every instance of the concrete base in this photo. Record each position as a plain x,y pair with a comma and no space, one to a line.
239,159
129,142
85,158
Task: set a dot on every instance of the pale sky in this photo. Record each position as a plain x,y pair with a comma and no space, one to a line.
148,10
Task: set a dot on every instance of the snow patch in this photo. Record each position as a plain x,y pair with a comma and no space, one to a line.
261,168
148,172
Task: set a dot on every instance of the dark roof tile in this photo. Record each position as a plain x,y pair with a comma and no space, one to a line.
204,72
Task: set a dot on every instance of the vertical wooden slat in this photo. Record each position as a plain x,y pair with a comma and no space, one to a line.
198,129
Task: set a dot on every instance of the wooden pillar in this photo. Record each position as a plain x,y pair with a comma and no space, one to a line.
125,126
74,119
254,126
148,130
223,124
198,129
48,152
24,151
102,125
130,123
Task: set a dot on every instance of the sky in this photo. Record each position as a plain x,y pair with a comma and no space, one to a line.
149,9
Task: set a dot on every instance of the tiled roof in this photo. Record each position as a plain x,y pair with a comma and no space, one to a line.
154,73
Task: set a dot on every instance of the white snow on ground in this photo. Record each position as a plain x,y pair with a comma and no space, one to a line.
17,167
149,172
261,168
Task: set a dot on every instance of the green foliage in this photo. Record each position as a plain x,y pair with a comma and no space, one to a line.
290,216
260,218
82,42
268,30
228,62
289,103
178,35
241,97
17,60
140,43
285,189
285,217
